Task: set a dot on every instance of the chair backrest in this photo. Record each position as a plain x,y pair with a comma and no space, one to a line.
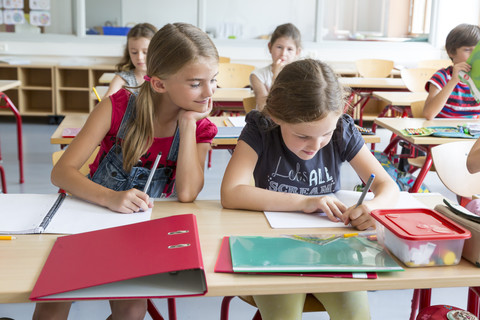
234,75
435,64
374,68
223,59
416,78
249,104
84,169
450,160
417,108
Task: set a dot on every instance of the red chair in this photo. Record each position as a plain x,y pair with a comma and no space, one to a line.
2,175
9,104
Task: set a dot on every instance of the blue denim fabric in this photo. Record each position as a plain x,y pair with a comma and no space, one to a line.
110,172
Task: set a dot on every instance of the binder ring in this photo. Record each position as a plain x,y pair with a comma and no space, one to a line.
181,245
178,232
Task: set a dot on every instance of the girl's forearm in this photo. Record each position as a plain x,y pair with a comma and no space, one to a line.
74,182
189,175
252,198
434,105
386,195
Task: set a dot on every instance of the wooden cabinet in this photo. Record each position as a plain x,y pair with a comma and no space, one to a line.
35,95
53,90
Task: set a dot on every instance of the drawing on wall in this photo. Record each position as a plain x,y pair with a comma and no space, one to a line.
39,4
40,18
13,4
13,17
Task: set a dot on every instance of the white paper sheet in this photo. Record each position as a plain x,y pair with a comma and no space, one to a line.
285,220
22,213
237,121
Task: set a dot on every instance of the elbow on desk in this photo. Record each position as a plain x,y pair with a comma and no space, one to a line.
186,196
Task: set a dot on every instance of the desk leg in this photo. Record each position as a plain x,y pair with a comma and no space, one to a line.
381,115
472,304
4,181
421,299
11,106
153,311
423,172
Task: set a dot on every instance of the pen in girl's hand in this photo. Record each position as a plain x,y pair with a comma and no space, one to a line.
364,193
152,171
365,190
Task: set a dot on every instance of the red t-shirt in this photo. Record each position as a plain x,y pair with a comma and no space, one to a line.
205,133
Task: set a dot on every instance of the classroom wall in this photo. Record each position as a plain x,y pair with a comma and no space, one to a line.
70,50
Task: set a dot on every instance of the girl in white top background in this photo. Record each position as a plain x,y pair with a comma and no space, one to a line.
285,47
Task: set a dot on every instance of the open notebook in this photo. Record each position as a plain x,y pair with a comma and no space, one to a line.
58,213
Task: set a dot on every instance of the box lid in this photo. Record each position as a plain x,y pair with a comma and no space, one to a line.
420,224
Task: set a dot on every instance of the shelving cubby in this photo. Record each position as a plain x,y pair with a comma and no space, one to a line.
36,90
8,72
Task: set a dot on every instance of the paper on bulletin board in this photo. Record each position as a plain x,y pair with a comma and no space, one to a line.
13,17
40,18
39,4
13,4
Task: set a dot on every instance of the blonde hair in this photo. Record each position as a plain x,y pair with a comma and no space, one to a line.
305,91
141,30
171,48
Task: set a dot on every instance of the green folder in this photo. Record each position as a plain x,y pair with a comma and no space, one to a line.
278,254
472,78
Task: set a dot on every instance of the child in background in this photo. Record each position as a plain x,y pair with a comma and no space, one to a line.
132,68
448,97
284,46
168,116
294,148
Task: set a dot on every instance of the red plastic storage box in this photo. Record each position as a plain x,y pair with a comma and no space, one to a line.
420,237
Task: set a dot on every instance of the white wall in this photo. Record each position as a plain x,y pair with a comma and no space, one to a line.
94,49
448,15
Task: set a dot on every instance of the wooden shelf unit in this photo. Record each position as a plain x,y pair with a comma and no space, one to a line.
74,86
35,94
47,90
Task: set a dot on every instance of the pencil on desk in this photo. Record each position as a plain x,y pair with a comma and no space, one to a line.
7,238
96,93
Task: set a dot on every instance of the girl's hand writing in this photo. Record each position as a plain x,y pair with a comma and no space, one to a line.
129,201
332,207
359,217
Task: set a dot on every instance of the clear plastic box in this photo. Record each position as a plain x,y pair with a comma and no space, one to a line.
420,237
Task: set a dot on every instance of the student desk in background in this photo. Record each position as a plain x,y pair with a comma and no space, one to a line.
106,78
23,258
364,87
396,125
78,120
397,101
230,99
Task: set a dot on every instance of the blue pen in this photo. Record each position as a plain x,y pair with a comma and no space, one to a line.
365,190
